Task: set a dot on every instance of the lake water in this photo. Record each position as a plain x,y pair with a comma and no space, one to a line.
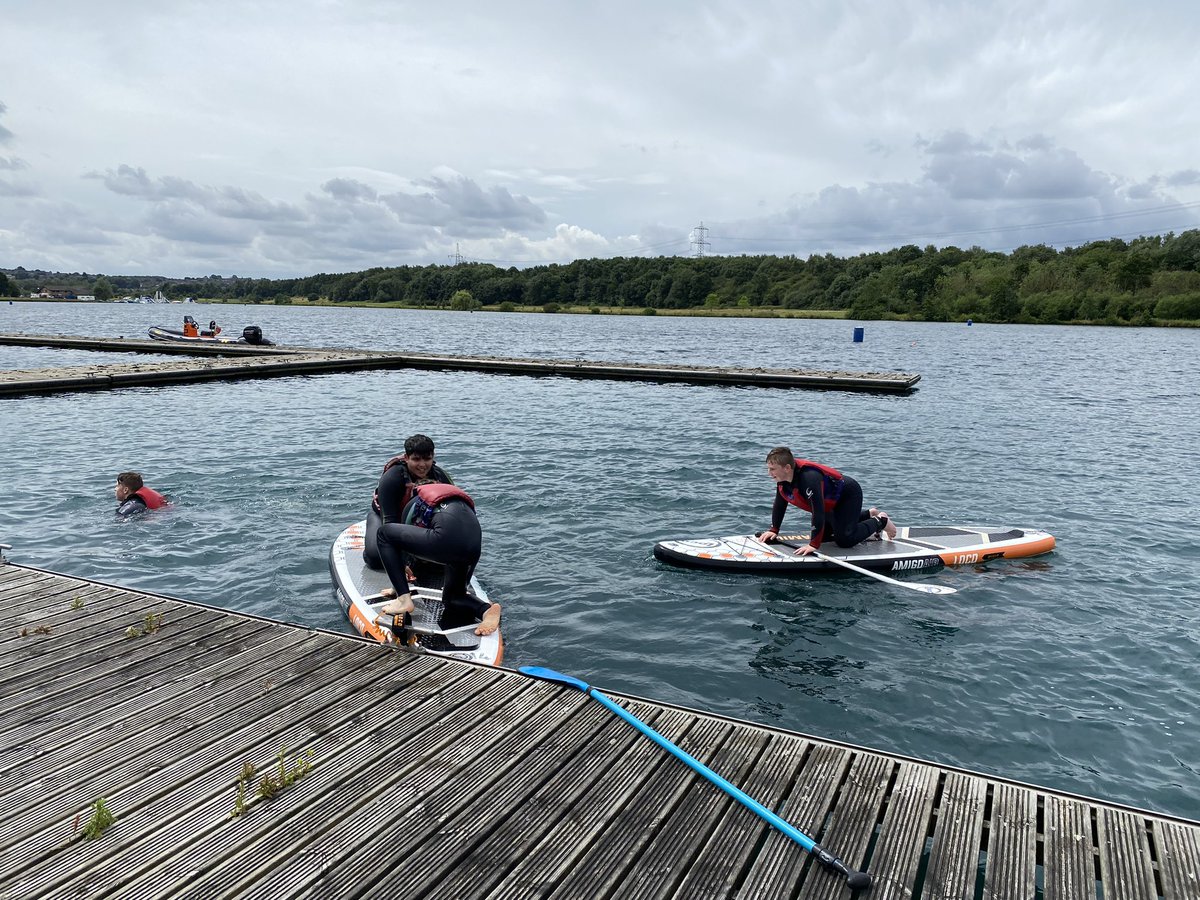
1079,670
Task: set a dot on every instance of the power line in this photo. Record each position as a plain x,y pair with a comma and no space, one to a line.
699,233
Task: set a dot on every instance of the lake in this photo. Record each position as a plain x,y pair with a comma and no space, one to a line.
1079,670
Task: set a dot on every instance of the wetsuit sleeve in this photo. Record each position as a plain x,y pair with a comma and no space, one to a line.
131,506
812,485
391,494
777,511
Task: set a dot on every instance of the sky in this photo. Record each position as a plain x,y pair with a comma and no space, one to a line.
282,139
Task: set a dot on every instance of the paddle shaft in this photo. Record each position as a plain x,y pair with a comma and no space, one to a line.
923,588
746,800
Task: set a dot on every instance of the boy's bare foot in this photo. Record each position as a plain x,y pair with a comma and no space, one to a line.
491,620
398,605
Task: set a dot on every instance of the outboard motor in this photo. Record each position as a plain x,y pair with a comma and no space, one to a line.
252,334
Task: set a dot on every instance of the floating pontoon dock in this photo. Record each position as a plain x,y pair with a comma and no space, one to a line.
405,776
210,362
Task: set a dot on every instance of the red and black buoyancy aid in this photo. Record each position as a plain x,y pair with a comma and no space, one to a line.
832,487
427,498
152,498
436,474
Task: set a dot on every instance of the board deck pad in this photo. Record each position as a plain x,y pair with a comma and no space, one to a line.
357,586
914,548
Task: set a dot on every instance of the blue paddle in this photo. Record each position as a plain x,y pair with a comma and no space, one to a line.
856,880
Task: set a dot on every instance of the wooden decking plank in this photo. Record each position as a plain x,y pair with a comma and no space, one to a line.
126,706
635,763
1126,866
101,637
114,766
1178,851
722,863
181,821
432,784
902,836
674,849
557,813
1012,844
126,719
852,825
954,856
806,806
119,664
604,865
1068,851
447,849
50,605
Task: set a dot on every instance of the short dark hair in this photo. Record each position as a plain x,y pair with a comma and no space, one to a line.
781,456
418,445
131,480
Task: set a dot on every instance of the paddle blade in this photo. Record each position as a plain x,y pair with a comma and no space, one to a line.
550,675
932,588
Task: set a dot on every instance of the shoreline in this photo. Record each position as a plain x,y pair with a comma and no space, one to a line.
697,312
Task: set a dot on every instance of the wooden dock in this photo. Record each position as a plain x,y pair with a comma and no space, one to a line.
416,777
233,361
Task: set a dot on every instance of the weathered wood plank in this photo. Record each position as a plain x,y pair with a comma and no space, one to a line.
723,863
1178,851
1126,866
1012,844
954,856
902,836
675,849
779,860
1068,850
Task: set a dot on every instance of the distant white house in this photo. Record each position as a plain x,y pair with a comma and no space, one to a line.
87,298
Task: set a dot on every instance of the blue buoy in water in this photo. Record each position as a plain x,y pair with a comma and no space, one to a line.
858,335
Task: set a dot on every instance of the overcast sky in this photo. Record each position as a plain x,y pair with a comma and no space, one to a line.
289,138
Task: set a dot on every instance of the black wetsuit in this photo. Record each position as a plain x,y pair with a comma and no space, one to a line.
129,507
452,539
847,523
388,505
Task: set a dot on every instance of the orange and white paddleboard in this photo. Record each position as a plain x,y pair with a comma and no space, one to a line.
914,549
357,587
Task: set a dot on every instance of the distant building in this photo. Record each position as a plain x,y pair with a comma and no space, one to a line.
56,293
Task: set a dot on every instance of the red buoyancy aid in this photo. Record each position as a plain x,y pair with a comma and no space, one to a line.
832,488
436,493
152,498
428,498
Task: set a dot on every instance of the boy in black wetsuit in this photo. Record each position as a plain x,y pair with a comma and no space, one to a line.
833,499
400,474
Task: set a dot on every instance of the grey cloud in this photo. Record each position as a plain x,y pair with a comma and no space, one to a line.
349,189
5,134
462,205
224,202
16,189
994,194
1183,178
13,163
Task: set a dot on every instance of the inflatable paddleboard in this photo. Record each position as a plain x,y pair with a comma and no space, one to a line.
357,587
918,548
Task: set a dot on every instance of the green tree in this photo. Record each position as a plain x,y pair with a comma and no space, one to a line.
464,301
102,289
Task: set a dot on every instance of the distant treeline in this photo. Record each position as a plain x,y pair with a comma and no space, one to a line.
1147,280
